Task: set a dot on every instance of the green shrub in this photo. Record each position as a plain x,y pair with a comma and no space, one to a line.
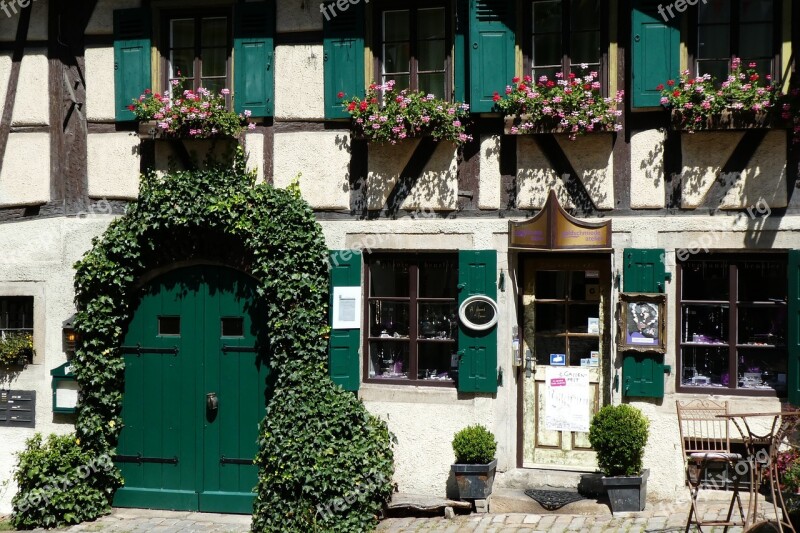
474,445
59,483
618,433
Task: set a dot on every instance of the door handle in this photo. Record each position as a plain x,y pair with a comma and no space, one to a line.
212,402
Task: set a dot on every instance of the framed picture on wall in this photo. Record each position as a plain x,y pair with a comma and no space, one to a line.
642,324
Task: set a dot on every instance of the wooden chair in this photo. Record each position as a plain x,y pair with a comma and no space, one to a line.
705,440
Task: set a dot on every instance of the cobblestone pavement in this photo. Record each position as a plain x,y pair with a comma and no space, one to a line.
657,519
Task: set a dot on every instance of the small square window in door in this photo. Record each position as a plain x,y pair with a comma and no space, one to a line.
233,327
169,325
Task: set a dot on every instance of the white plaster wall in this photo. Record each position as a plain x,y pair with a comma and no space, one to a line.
490,177
764,179
5,73
254,148
102,21
25,176
9,19
535,177
99,65
44,251
113,165
592,158
323,160
32,104
300,15
647,169
436,188
299,84
703,153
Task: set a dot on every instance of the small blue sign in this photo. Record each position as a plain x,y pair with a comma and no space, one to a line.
558,359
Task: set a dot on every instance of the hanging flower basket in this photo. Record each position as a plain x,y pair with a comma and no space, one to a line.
728,119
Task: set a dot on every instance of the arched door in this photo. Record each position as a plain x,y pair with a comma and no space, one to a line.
195,392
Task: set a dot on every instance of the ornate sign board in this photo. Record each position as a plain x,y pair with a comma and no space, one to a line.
478,312
555,229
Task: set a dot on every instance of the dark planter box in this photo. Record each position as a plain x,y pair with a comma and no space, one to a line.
148,130
474,481
627,494
727,120
510,121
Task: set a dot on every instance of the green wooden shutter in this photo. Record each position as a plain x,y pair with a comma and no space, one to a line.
477,368
655,49
491,45
793,381
343,52
343,360
643,270
644,375
131,58
253,54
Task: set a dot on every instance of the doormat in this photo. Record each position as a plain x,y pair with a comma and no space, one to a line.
554,499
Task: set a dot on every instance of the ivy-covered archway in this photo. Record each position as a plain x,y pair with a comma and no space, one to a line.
324,462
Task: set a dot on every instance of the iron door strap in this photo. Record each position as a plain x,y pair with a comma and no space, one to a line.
238,349
229,461
139,350
139,459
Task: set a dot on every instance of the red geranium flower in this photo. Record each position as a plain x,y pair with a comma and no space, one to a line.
660,87
528,79
587,86
551,83
351,106
364,105
754,77
131,107
515,79
147,91
523,87
496,96
671,83
676,93
341,94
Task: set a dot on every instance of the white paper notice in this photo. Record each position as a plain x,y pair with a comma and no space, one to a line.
346,307
567,399
67,394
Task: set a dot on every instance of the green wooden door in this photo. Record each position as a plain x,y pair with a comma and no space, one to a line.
193,334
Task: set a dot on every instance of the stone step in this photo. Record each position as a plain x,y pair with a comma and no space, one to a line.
588,484
507,500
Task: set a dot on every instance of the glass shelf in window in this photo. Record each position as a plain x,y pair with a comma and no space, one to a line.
388,360
705,366
434,362
762,326
705,323
438,321
388,319
762,369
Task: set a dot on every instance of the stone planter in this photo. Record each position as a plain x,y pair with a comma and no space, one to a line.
514,121
727,120
474,481
627,493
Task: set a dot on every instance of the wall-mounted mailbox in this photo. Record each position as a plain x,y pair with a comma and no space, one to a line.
65,389
18,408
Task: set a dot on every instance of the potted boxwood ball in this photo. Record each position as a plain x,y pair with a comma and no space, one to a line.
475,464
618,433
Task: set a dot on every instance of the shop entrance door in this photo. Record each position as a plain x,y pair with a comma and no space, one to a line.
195,392
566,325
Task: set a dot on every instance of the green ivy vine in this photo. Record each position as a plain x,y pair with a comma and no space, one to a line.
325,463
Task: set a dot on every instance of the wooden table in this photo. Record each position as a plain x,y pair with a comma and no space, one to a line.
765,466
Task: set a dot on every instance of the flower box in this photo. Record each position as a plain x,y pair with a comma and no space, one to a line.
729,119
149,130
512,126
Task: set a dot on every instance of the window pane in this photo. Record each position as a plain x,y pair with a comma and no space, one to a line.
388,319
232,327
438,279
762,326
705,280
762,281
214,61
705,324
549,72
432,84
756,10
547,49
169,325
182,61
714,42
215,85
395,57
582,348
717,68
401,81
755,40
584,318
762,369
182,33
545,346
389,278
547,16
552,284
434,361
430,23
585,14
431,55
705,366
388,359
585,47
438,321
16,312
714,11
214,32
550,318
395,25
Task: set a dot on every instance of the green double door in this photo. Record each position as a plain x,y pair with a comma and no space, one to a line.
195,392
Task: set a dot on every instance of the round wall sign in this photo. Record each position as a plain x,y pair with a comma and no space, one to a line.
478,312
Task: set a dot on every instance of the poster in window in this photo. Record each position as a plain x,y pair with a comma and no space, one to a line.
567,401
642,322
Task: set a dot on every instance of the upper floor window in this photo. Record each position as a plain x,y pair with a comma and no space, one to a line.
199,50
414,47
742,28
563,35
16,314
